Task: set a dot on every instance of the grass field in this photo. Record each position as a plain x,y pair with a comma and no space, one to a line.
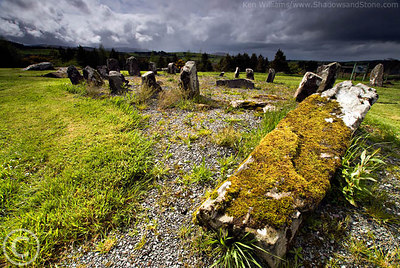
70,167
73,167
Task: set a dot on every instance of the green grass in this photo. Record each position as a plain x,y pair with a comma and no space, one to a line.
71,167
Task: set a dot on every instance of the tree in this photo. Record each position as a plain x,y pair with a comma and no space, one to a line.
253,61
279,63
261,66
205,64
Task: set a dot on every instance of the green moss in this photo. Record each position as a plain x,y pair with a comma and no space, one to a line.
286,171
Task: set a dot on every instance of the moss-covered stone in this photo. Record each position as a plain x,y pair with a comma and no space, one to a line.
291,167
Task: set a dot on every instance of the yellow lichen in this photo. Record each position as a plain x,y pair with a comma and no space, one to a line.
287,172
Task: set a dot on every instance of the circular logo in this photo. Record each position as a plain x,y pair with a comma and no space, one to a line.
21,247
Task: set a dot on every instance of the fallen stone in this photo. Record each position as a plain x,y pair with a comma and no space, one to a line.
308,86
103,71
60,73
236,83
150,88
171,68
74,75
40,67
117,82
92,76
153,67
287,174
249,104
328,73
271,75
237,72
249,74
133,66
376,77
188,80
113,65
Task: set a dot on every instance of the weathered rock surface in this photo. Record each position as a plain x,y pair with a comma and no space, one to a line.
92,76
376,77
60,73
133,66
74,75
288,173
308,86
171,68
189,81
103,71
328,73
236,83
153,67
249,74
40,66
117,82
237,72
355,101
150,88
113,65
271,75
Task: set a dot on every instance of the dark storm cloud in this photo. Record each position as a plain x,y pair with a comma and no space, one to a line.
208,25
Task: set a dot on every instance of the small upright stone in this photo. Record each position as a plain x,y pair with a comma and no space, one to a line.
103,71
188,80
171,68
117,82
92,76
376,78
153,67
133,66
328,73
74,75
308,86
222,74
150,88
271,75
249,74
237,71
113,65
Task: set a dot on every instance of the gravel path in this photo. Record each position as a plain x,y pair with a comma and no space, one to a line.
164,233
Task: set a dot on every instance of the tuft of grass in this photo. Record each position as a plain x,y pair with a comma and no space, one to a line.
358,166
106,245
228,137
233,252
200,174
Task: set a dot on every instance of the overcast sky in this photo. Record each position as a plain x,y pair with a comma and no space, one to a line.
321,32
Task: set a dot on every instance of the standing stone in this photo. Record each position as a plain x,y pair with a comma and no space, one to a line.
171,68
133,66
40,67
271,75
188,80
153,67
308,86
328,73
222,74
74,75
376,78
103,71
237,71
150,88
92,76
113,65
249,74
117,82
